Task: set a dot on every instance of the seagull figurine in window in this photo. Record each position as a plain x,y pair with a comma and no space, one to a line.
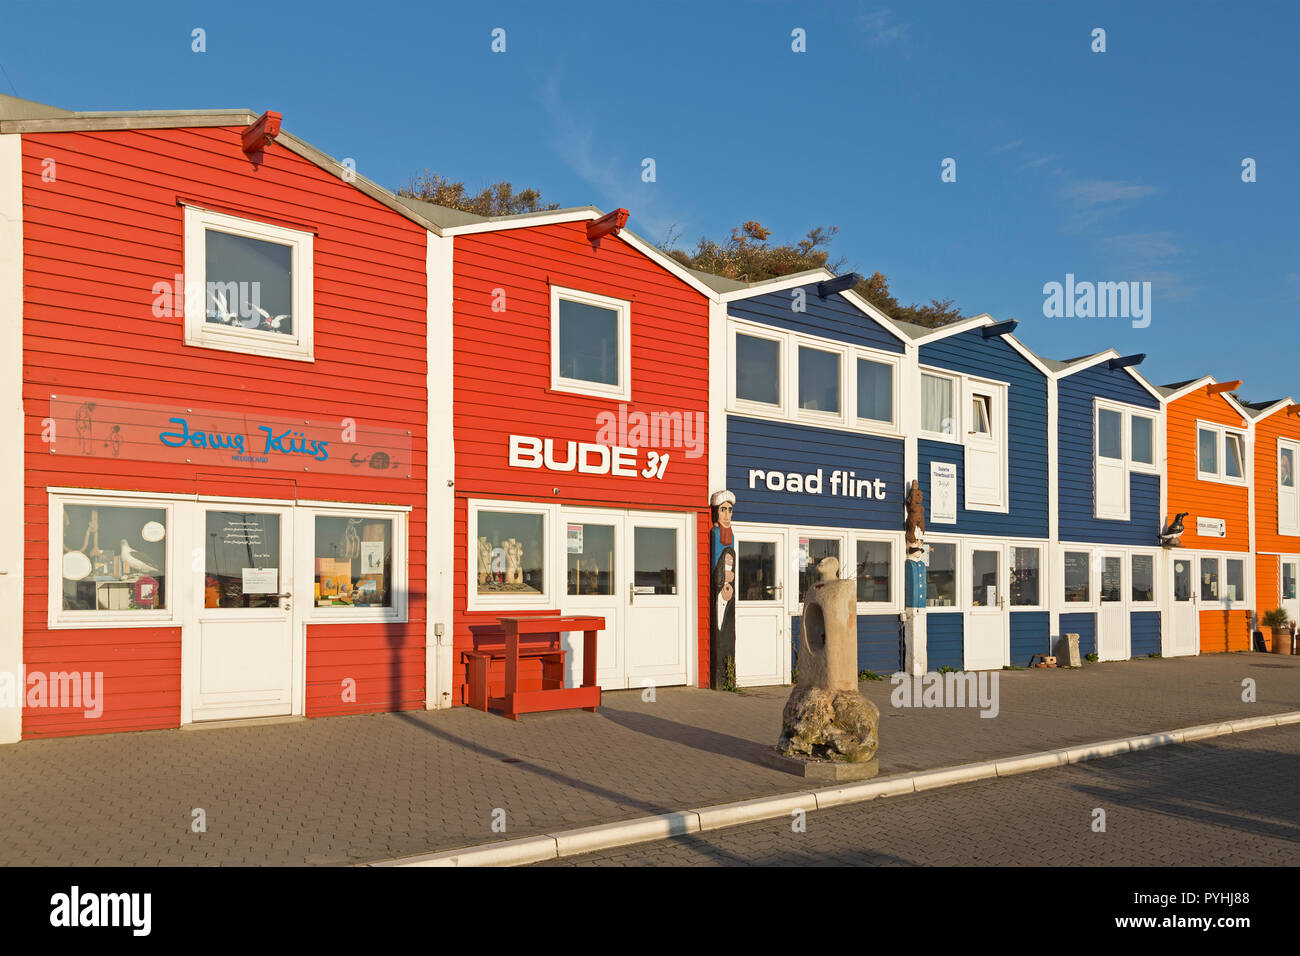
135,561
271,322
228,317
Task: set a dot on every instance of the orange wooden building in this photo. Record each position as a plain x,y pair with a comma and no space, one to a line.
1210,577
1277,505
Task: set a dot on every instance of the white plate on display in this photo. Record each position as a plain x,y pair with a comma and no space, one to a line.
75,565
153,531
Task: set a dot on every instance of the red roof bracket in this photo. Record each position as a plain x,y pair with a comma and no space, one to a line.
261,132
1222,387
607,225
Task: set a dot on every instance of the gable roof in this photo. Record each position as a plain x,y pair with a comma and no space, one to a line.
1179,390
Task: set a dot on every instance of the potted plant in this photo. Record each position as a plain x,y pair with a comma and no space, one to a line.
1277,622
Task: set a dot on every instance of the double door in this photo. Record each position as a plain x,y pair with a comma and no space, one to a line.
631,568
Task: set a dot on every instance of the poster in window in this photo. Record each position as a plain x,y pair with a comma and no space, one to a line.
943,492
372,557
575,539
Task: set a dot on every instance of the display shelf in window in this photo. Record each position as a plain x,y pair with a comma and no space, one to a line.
353,561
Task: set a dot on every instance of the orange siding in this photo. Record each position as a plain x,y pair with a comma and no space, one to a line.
1225,631
1268,591
502,384
95,242
1267,431
1187,492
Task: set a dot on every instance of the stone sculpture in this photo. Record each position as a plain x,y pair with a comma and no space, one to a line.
826,718
484,560
514,560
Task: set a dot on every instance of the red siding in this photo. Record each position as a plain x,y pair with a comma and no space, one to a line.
96,240
502,383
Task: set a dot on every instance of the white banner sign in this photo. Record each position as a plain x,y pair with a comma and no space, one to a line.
1211,528
943,492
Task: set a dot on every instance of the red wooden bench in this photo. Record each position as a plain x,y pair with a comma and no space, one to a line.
532,637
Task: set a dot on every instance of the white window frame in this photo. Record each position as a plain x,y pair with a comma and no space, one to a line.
58,618
999,422
958,567
875,425
577,386
1151,468
748,406
1094,597
813,416
515,599
305,546
1154,603
200,333
1240,600
1290,527
1044,579
1221,444
826,534
788,410
895,603
958,399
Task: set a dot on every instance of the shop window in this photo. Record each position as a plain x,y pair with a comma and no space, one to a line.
1142,440
1234,580
1209,579
757,577
242,567
590,550
819,380
1220,454
985,587
113,562
590,347
511,554
811,551
1026,576
1143,573
248,286
1112,580
941,576
353,561
1078,578
758,370
936,406
654,560
875,391
875,572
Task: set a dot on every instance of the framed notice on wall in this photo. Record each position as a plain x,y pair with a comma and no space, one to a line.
943,492
1211,527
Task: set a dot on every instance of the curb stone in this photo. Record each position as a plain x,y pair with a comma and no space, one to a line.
605,836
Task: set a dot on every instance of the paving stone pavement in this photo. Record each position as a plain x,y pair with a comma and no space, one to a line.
357,789
1229,801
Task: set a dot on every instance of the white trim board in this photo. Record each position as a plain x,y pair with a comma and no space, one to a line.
11,430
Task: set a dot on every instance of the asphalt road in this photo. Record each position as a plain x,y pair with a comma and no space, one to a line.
1230,801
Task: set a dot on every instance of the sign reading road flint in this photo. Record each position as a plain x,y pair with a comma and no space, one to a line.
109,428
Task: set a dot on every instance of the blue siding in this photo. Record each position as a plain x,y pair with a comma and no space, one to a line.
945,641
970,353
1075,464
1145,631
1030,635
1085,625
833,317
779,446
880,643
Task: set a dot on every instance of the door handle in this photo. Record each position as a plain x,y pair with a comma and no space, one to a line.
631,594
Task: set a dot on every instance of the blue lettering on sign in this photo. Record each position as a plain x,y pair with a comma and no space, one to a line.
298,445
199,439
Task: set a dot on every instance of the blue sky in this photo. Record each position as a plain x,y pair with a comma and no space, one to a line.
1115,166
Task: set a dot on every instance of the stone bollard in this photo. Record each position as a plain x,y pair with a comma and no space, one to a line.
828,729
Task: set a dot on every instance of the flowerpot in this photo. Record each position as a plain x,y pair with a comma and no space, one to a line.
1281,640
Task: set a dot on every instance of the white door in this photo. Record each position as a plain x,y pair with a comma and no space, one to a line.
1290,596
985,434
1184,622
1288,486
595,583
241,660
1112,615
654,640
762,621
986,625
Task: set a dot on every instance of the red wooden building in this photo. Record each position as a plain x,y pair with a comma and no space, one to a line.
216,429
581,409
